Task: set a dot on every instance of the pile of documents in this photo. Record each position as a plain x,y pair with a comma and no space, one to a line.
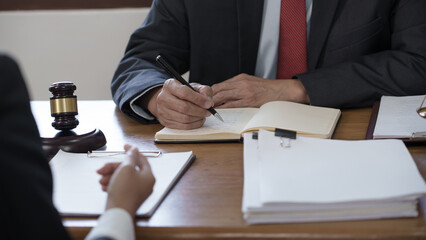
309,179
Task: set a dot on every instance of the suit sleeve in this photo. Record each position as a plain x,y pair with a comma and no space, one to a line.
398,71
164,31
26,202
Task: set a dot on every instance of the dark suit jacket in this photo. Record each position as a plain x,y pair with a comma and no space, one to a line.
358,50
27,210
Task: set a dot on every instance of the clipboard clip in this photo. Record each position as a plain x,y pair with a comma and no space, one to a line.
285,137
146,153
418,136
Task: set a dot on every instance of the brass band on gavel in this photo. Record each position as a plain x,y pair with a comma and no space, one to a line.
63,105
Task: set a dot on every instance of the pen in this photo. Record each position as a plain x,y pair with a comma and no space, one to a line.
147,153
178,77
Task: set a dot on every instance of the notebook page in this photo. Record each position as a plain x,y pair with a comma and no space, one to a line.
296,117
234,121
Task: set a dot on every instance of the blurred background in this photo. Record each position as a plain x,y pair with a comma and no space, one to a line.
80,41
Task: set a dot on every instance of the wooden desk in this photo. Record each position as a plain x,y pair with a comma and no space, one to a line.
206,202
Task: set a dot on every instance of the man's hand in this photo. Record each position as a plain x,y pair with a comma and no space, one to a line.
249,91
177,106
128,184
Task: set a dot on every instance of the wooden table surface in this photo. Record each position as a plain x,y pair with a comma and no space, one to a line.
206,202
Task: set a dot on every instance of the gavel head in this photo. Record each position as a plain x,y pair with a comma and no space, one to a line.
63,105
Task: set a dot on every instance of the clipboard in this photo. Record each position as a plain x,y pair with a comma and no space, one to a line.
81,194
414,140
373,120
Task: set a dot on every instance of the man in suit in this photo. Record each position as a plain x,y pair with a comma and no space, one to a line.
354,52
26,205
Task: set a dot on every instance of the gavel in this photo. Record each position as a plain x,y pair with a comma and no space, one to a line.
63,105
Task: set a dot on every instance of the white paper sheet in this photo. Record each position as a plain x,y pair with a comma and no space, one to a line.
398,118
76,188
322,170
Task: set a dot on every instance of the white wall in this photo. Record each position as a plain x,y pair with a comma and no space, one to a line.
81,46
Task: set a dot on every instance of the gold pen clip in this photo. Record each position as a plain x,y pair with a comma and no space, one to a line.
146,153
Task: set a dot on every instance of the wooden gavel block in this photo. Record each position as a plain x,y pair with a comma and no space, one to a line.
63,107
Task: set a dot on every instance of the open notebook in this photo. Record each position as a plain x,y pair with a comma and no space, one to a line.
77,191
328,180
307,120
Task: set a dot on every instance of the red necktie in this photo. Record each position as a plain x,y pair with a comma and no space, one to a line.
292,40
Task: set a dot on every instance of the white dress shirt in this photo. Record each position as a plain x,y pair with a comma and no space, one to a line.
115,223
267,55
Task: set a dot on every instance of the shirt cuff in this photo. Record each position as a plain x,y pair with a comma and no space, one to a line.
115,223
138,109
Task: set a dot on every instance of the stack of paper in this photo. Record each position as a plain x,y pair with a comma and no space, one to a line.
326,180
